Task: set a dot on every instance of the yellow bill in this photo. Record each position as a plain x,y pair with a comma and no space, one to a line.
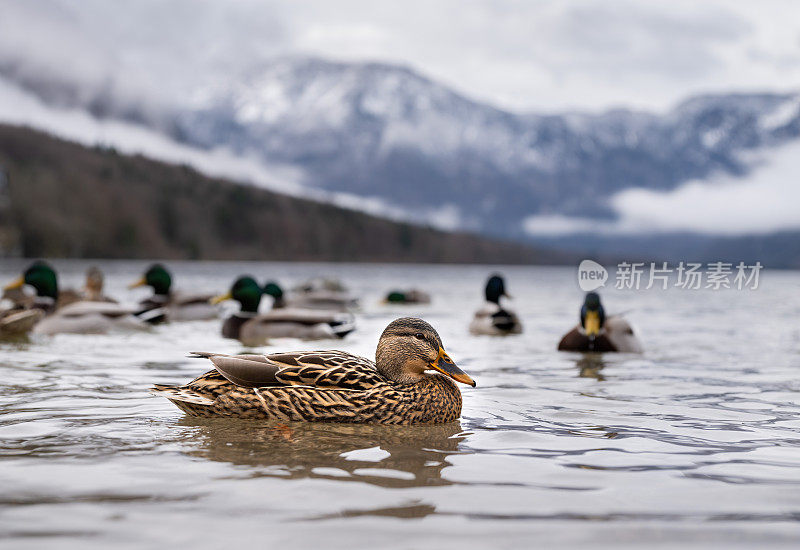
19,282
221,298
140,282
445,365
591,323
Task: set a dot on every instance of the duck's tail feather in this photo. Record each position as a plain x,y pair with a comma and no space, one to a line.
182,394
202,354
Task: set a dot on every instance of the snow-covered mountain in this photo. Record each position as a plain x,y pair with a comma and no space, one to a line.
385,131
388,133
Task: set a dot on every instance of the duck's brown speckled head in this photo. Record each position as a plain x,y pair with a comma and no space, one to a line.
408,347
94,281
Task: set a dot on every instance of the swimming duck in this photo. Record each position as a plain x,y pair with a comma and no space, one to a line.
273,289
16,318
598,333
333,386
78,317
42,278
18,323
253,329
93,289
327,294
410,296
493,319
165,305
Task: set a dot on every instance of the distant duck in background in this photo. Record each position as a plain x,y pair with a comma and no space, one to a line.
48,295
319,293
17,323
410,296
77,317
42,278
596,333
253,329
493,319
274,289
17,318
93,289
166,305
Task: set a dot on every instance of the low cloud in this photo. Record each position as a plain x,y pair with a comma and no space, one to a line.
24,109
763,202
20,108
542,56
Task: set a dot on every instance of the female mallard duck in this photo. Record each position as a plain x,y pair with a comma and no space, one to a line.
493,319
93,289
252,329
410,296
333,386
16,318
596,333
165,305
18,323
81,317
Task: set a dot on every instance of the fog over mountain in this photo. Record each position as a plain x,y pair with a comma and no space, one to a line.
415,146
387,138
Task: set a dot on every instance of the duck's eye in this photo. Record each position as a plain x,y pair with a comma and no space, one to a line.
419,336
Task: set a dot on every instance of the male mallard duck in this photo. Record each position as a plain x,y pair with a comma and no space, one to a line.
165,305
273,289
253,329
81,317
42,278
333,386
493,319
410,296
597,333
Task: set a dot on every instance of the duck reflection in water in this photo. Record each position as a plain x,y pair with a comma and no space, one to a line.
590,365
386,456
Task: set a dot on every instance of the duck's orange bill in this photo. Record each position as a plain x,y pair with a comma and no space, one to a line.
140,282
18,283
445,365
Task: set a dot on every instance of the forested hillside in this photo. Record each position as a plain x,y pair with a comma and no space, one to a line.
61,199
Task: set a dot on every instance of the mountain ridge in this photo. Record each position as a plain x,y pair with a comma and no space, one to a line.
389,133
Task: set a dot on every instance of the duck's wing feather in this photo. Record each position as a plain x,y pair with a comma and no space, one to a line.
304,316
316,369
181,299
84,307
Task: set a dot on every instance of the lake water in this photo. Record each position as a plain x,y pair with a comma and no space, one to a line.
694,444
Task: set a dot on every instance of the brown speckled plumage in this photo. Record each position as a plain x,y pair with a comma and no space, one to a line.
328,386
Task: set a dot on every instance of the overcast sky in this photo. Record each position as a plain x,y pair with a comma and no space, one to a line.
522,55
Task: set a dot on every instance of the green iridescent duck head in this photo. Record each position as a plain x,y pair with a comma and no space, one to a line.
157,277
244,290
273,289
41,277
